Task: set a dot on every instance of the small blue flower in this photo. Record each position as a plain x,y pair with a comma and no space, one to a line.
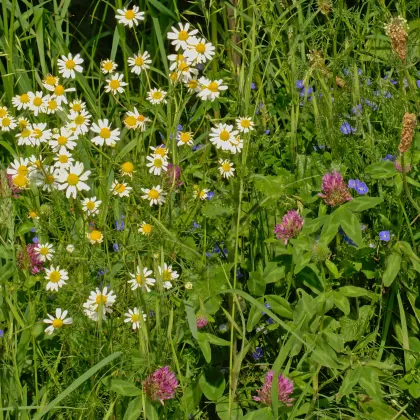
101,272
239,274
210,195
33,230
199,66
387,95
179,127
390,157
418,83
363,227
197,147
299,84
209,254
258,353
359,72
346,72
267,132
349,241
352,183
346,128
222,327
116,247
385,235
261,105
306,91
361,187
270,321
151,314
35,239
1,333
267,305
357,110
368,81
196,225
371,104
119,224
253,87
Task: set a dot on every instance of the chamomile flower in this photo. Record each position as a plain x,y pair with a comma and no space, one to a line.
63,159
181,35
226,168
222,135
65,138
70,248
127,168
50,82
20,182
199,50
201,194
108,66
184,138
21,101
236,144
47,178
91,205
157,164
35,163
133,316
185,72
3,111
24,138
120,188
52,105
77,105
95,236
59,94
40,134
161,150
156,96
115,84
79,122
155,195
176,60
44,251
19,166
210,89
141,279
37,103
99,303
168,275
56,278
68,66
72,179
244,124
139,62
7,123
105,134
129,17
57,322
193,86
33,214
145,229
23,123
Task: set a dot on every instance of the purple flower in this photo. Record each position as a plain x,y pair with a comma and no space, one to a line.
270,321
30,259
239,273
267,132
299,84
197,147
289,227
179,127
390,157
161,385
209,254
335,190
385,235
119,224
35,239
201,321
253,87
418,83
199,66
258,353
387,95
267,305
306,91
196,225
357,110
371,104
361,187
352,183
33,230
285,389
210,195
346,128
1,333
116,247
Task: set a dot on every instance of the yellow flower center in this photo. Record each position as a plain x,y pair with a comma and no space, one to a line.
70,64
120,188
167,275
72,179
157,95
160,151
183,35
224,135
101,299
139,279
174,76
25,133
157,163
37,101
37,133
153,194
62,140
79,120
22,170
57,323
76,107
246,123
213,87
20,181
6,122
63,158
147,228
3,112
95,235
90,205
135,318
185,137
105,133
193,84
59,90
200,48
108,65
24,98
55,276
130,121
184,67
22,123
49,179
50,80
129,14
226,167
37,163
202,193
139,61
52,105
127,167
141,118
32,214
114,84
44,251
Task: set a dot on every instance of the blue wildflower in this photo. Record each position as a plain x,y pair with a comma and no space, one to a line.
199,66
357,110
299,84
253,87
151,314
267,132
210,195
1,333
308,91
349,241
270,321
116,247
196,225
368,81
418,83
390,157
352,183
258,353
209,254
346,128
239,274
35,239
33,230
119,224
197,147
267,305
179,127
346,72
361,187
385,235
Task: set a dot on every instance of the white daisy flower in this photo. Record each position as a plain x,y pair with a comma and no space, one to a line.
176,60
108,66
52,105
21,101
72,179
134,119
129,17
44,251
226,168
210,89
19,166
180,36
95,236
155,195
63,159
244,124
77,105
168,275
58,321
40,134
56,278
50,82
20,181
106,135
139,62
24,138
133,316
23,123
157,164
201,194
59,94
7,123
70,248
79,121
115,84
199,50
3,111
37,103
193,86
47,178
142,279
222,135
103,297
68,66
65,138
161,150
236,144
185,72
145,229
156,96
91,205
120,188
184,138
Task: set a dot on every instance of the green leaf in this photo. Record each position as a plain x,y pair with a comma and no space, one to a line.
393,266
381,170
280,306
332,268
222,409
204,346
341,302
213,339
191,318
256,283
133,409
369,380
261,414
273,273
163,9
362,203
254,316
329,229
351,226
214,210
212,382
313,225
353,291
124,388
303,262
321,357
